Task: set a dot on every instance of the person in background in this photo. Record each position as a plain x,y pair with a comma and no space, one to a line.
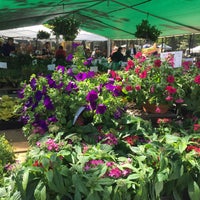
46,51
9,47
60,53
128,56
132,49
116,59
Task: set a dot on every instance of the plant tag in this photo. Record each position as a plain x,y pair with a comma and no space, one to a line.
3,65
51,67
78,112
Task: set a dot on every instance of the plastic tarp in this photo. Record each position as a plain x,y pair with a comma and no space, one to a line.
113,19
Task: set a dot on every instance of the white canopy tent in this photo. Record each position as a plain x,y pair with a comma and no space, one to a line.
30,32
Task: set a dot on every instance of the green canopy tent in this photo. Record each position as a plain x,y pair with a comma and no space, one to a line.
114,19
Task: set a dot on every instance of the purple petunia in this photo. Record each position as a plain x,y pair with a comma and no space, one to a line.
69,58
101,109
51,82
60,68
21,93
70,72
52,119
48,103
38,95
92,96
71,86
81,76
33,83
90,74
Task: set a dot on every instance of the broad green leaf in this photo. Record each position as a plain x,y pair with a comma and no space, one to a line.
158,188
25,179
40,191
194,191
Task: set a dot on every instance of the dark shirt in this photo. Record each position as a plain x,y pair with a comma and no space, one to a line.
7,49
117,56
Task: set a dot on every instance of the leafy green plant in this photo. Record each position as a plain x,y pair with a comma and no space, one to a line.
146,31
43,35
7,107
7,156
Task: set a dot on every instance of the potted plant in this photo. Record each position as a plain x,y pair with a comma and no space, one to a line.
146,31
66,26
43,35
154,82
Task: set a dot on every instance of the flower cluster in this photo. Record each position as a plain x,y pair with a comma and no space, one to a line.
154,81
113,170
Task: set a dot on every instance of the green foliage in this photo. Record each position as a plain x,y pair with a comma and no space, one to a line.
43,35
7,107
66,26
6,156
146,31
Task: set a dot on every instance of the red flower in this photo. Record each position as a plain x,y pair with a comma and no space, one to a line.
129,88
197,79
170,79
198,64
170,89
131,139
143,74
138,55
137,70
157,63
196,127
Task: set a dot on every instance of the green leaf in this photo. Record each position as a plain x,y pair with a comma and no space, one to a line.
158,188
25,179
194,190
40,191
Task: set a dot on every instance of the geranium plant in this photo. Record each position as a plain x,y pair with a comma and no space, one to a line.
153,81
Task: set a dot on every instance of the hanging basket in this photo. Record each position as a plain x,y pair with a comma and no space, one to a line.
152,108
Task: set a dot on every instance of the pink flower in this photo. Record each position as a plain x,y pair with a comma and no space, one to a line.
115,173
138,55
169,98
157,109
186,65
137,87
179,100
129,88
197,79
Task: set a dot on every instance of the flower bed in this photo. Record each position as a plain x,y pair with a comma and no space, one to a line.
104,152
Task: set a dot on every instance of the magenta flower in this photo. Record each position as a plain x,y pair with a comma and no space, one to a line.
69,58
115,173
60,68
197,79
81,76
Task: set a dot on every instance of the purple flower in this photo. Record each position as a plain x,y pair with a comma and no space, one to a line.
88,62
90,74
75,44
118,113
51,82
99,88
70,72
71,86
29,102
93,105
101,109
61,68
24,119
92,96
69,58
52,119
81,76
33,83
48,103
110,87
111,80
21,93
44,89
40,126
38,95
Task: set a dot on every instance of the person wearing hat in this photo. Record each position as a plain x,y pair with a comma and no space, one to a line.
9,47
